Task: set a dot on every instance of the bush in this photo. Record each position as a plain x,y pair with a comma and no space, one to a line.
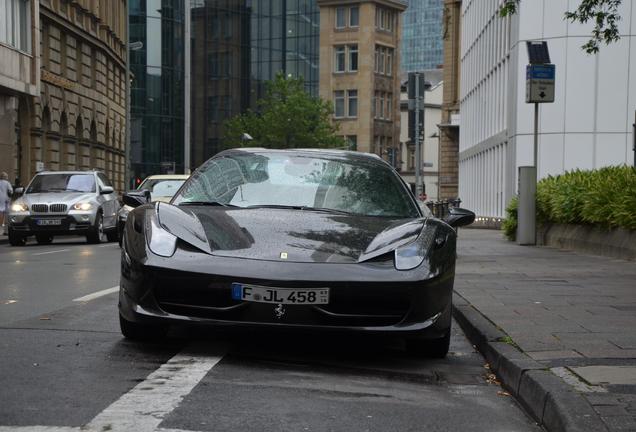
604,197
509,225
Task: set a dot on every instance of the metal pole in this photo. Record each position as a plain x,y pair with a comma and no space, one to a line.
187,95
127,86
536,168
634,138
418,154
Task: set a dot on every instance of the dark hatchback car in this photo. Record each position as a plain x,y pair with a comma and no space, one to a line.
294,239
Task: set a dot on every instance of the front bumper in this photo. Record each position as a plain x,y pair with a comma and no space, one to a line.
413,308
72,223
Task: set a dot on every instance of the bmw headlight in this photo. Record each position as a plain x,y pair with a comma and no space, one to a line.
83,206
19,207
411,255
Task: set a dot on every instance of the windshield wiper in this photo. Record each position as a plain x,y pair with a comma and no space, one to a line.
303,208
205,203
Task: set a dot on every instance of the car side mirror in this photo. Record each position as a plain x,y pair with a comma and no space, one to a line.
458,217
106,190
18,191
136,198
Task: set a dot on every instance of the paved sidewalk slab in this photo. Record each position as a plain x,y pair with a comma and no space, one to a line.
560,309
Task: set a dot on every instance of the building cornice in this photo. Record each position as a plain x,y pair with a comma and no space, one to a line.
80,33
395,4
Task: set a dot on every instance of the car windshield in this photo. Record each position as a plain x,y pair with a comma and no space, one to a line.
299,181
161,187
62,183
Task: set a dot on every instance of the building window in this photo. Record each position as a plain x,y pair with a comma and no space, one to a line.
353,58
381,109
340,59
15,24
352,98
352,142
347,17
384,60
341,18
345,103
389,106
339,103
384,19
346,58
354,16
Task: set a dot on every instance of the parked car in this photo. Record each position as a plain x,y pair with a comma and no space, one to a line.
160,188
301,239
64,203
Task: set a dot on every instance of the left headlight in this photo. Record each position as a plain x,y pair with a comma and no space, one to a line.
82,206
19,207
412,255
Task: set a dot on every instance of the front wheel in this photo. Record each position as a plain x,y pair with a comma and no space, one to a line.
96,233
16,239
429,348
141,332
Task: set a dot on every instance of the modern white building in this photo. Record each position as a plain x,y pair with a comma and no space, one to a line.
588,126
430,144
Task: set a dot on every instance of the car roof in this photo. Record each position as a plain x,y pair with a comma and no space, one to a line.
333,153
68,172
168,177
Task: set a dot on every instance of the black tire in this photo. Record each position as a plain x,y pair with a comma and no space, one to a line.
16,239
141,332
96,233
44,238
112,235
429,348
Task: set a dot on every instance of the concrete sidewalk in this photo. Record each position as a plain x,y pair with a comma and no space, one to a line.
553,323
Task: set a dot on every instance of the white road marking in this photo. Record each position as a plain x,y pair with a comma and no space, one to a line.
50,252
144,407
38,429
97,294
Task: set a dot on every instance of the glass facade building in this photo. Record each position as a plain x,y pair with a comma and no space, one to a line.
157,87
237,46
422,43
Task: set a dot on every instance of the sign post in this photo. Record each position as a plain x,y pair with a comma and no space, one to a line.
540,77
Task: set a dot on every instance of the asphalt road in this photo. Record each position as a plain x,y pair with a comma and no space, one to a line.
64,365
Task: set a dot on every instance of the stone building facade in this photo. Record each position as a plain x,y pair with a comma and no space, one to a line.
77,120
360,71
449,127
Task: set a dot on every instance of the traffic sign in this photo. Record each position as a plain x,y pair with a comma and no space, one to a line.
540,83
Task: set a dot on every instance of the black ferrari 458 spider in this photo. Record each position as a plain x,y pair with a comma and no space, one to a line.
294,239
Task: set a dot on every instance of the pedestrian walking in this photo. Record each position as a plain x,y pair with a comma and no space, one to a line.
6,191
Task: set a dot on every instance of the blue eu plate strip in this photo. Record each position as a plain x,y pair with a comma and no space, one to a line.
237,291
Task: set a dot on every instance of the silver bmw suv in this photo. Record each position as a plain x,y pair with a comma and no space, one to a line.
65,203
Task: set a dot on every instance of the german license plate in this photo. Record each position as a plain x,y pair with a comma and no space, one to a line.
261,294
48,222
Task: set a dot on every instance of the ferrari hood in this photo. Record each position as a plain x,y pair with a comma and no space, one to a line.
290,235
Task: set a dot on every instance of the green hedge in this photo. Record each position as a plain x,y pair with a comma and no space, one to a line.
604,197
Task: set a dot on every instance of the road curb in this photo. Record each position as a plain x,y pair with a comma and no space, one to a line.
550,401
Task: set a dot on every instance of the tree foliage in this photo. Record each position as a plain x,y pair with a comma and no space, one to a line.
287,117
603,13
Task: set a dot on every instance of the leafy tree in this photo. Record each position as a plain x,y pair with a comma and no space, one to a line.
287,117
603,13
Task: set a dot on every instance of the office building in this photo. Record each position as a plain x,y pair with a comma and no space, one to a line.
239,45
157,66
422,29
62,93
359,72
588,126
